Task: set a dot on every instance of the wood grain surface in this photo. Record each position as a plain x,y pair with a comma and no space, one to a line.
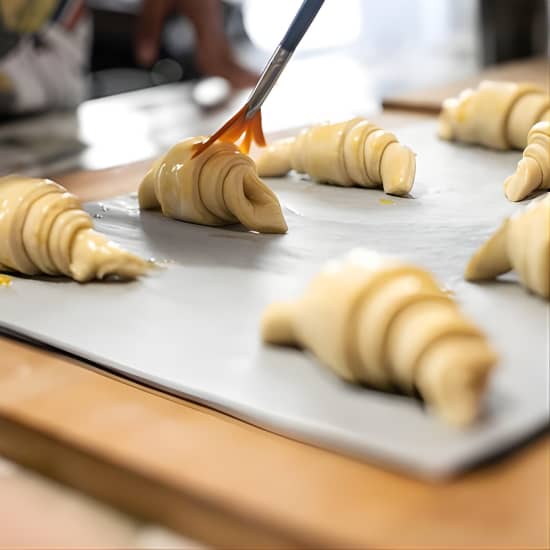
429,100
224,482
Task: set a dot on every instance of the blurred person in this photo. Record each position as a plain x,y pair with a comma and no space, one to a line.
45,48
45,44
212,50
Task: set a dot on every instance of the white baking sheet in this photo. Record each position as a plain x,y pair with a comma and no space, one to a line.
192,327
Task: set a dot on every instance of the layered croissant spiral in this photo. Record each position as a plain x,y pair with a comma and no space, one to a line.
496,114
521,243
354,152
383,323
218,187
533,171
43,230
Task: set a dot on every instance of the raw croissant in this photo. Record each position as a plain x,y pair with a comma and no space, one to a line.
496,114
43,230
521,243
533,171
380,322
354,152
218,187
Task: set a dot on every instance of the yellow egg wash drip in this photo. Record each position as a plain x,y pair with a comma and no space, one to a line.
5,280
386,201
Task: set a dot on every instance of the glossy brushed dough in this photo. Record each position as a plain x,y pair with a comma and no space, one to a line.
498,115
218,187
378,321
521,243
43,230
353,152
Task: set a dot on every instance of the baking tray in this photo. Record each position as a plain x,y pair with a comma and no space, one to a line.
192,327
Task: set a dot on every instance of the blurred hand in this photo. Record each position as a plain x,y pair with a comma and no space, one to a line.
213,52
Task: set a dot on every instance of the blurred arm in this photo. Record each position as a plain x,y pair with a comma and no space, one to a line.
213,52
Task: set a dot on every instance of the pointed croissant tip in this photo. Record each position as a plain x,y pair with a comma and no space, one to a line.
127,267
473,274
275,227
266,217
463,408
512,190
444,128
95,256
527,179
275,160
278,225
276,326
474,388
453,377
477,269
491,259
281,228
398,181
147,198
446,118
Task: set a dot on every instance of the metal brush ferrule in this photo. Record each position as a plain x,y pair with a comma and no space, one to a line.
269,77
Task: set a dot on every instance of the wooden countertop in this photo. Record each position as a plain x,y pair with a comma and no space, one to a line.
224,482
429,100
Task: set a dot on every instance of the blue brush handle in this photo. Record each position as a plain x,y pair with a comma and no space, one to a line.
283,52
300,24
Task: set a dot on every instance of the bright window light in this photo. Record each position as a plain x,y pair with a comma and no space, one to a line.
338,24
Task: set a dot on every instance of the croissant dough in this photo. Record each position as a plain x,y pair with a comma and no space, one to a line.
354,152
218,187
521,243
43,230
496,114
533,171
381,322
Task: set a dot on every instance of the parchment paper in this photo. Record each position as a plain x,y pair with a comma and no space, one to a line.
192,327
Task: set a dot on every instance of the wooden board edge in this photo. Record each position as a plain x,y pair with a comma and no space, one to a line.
132,491
410,107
